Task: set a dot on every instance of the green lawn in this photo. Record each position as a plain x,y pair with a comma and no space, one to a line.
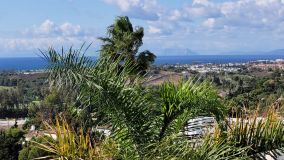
6,88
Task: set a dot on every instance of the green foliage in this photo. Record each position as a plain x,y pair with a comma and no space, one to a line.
10,143
144,123
57,102
31,151
69,145
11,104
104,89
208,148
124,41
5,88
260,134
34,117
188,97
134,114
24,154
137,120
17,91
52,105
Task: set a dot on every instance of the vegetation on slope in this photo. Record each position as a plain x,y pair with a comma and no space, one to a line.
145,123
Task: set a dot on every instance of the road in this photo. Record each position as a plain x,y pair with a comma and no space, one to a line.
4,124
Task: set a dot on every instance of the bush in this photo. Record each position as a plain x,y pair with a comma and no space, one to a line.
70,145
10,143
30,151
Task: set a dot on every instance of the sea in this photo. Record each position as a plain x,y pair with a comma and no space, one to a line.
38,63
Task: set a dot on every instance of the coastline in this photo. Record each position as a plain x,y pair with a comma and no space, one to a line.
38,63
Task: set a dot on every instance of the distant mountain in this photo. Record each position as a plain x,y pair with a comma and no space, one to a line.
189,52
276,52
273,52
179,51
242,53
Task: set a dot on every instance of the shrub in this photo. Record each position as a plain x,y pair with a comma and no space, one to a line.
10,143
30,151
70,145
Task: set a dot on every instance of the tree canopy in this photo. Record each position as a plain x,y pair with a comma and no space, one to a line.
123,40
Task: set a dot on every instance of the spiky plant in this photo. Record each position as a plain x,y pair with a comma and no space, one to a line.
186,100
208,148
68,145
141,125
261,132
136,118
104,87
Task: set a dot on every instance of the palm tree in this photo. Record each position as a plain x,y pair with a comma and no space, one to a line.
124,41
137,118
188,99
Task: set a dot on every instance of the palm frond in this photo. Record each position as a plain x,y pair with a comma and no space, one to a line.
68,67
188,99
108,89
261,133
176,147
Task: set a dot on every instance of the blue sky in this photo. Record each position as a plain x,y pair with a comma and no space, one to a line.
171,26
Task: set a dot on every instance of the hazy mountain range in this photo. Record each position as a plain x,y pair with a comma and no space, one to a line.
178,51
189,52
273,52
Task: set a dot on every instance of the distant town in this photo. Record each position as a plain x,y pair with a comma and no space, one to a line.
230,67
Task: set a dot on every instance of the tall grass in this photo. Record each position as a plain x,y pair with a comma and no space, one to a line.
260,132
69,145
246,136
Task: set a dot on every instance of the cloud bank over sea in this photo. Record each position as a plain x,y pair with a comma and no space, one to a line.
203,26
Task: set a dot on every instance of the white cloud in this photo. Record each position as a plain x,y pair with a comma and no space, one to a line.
267,2
48,34
69,29
200,25
140,9
154,30
201,2
175,15
124,5
210,23
202,11
253,13
261,14
35,43
49,28
222,25
46,27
